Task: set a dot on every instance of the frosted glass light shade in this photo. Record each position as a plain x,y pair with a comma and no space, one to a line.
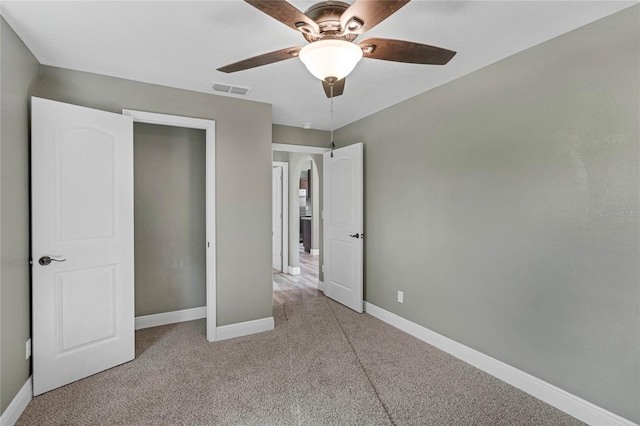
330,58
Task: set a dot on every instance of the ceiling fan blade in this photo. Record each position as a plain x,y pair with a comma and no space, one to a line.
257,61
287,14
405,51
363,15
338,88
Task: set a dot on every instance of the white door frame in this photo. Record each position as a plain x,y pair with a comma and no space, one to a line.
209,126
285,213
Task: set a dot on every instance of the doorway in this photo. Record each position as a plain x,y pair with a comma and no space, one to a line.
302,279
82,188
210,219
169,219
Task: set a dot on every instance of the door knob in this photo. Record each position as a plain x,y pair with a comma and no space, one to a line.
356,235
46,260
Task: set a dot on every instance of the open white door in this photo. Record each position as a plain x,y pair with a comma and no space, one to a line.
82,242
343,225
276,218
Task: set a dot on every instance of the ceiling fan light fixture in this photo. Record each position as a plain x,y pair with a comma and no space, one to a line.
330,58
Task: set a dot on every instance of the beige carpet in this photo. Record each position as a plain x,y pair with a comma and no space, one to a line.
323,364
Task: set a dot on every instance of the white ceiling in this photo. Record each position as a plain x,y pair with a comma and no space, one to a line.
181,43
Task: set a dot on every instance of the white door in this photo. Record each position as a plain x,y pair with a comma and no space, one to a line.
343,225
82,204
276,218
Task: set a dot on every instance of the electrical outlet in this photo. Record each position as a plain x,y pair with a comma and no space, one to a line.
28,350
400,296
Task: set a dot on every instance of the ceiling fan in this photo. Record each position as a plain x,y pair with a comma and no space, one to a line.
330,28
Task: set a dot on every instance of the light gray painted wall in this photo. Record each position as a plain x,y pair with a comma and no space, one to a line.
19,70
243,170
505,205
298,136
170,218
281,156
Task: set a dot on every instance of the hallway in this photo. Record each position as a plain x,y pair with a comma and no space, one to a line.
293,288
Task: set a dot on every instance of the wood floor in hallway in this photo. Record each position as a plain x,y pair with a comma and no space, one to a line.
293,288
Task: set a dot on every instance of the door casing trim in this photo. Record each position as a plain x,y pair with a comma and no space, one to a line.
209,126
285,213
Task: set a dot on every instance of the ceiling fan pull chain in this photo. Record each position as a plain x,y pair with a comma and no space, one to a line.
332,144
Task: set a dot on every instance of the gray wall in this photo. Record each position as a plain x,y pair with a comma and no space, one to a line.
170,219
505,206
243,167
19,70
281,156
298,136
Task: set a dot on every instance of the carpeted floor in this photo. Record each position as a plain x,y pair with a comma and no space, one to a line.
323,364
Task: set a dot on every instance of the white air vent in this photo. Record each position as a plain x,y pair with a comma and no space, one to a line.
229,89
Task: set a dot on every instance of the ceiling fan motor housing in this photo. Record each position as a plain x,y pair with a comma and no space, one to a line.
327,15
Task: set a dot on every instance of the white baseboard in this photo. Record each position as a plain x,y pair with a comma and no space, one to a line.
18,404
552,395
315,252
321,286
294,270
164,318
230,331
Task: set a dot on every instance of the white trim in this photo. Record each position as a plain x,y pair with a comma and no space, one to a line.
552,395
168,120
18,404
209,126
321,286
315,252
285,213
298,148
173,317
245,328
294,270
